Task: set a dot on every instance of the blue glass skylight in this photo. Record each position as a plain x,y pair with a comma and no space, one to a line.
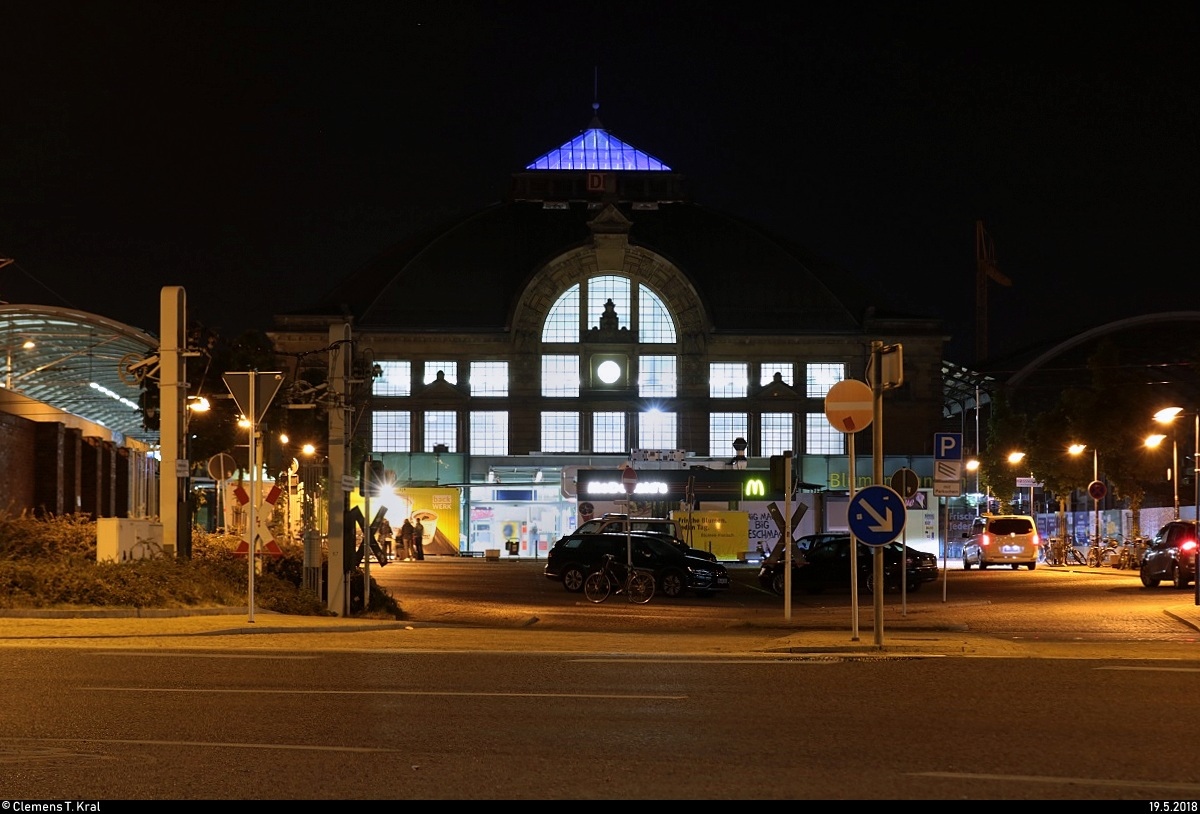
595,149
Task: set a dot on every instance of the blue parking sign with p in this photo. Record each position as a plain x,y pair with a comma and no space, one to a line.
947,446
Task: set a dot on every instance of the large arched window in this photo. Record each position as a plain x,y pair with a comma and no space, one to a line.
610,302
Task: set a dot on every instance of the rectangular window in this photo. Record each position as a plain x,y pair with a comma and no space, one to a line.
560,376
441,427
560,432
777,434
395,379
432,368
391,431
657,376
822,377
489,378
489,432
768,370
820,438
656,430
723,428
608,432
728,380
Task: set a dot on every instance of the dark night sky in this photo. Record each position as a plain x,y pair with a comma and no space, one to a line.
256,152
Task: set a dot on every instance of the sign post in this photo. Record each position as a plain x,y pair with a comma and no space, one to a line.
906,483
850,407
253,396
947,482
629,479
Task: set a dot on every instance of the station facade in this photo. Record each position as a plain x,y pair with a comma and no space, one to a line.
594,314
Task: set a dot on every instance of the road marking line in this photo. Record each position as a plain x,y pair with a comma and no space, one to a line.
1073,781
446,693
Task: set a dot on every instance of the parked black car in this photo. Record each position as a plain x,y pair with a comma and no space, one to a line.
821,561
575,556
664,527
1171,555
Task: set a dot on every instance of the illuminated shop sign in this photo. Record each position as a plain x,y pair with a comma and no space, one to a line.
615,487
673,484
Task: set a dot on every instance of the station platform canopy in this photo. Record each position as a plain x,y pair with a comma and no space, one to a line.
78,363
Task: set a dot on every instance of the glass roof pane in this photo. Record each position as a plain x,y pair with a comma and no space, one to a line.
75,362
595,149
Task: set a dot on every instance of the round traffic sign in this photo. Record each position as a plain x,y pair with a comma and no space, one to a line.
1097,490
629,479
906,482
849,406
221,466
876,515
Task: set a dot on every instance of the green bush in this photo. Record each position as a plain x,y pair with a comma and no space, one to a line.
51,563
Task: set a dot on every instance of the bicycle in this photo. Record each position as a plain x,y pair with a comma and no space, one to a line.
613,577
1131,554
1103,552
1070,554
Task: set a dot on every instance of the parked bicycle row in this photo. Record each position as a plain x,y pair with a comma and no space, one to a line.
1109,552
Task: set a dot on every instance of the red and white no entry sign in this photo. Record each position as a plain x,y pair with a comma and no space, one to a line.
849,406
629,479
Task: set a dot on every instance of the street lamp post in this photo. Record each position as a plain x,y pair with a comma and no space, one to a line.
1154,441
1076,449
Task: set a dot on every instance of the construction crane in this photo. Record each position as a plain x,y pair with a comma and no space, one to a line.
985,267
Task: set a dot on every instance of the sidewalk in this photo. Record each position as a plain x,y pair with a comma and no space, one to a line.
930,629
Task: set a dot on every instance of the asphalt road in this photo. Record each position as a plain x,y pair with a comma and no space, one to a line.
498,684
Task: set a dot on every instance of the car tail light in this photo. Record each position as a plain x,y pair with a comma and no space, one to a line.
1187,546
985,539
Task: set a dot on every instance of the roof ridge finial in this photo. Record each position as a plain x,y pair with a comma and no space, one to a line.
595,125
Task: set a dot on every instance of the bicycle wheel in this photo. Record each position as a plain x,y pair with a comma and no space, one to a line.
597,587
1093,558
641,587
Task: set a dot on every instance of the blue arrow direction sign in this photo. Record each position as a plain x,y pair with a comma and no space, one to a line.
876,515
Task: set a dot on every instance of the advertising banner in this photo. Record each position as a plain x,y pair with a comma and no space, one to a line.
436,507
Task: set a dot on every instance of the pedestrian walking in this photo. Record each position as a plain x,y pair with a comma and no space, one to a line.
419,539
386,537
406,540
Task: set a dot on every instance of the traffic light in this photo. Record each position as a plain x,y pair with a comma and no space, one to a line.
779,472
372,478
148,402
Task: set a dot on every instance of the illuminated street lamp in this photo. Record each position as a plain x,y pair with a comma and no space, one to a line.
973,466
1094,486
1016,458
1153,441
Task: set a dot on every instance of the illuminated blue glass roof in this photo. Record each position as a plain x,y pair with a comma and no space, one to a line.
595,149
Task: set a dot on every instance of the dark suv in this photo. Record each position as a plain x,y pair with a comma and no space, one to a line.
1171,555
575,556
665,527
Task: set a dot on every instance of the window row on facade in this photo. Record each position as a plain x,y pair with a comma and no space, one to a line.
566,431
560,377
